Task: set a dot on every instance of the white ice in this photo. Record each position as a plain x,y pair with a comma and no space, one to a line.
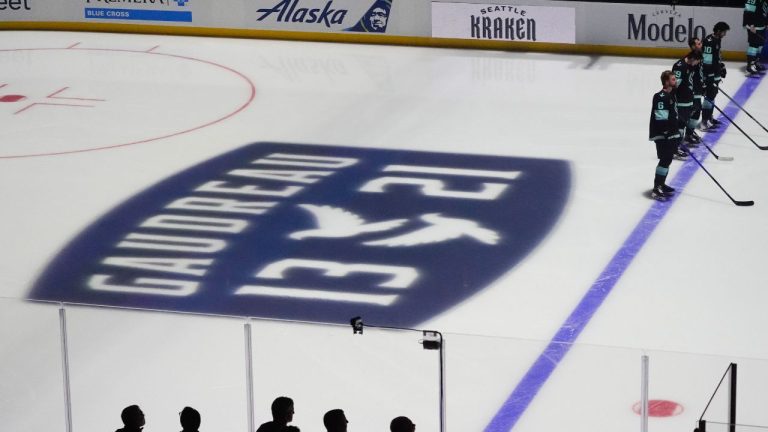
693,299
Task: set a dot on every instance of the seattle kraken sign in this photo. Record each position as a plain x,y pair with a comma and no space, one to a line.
316,233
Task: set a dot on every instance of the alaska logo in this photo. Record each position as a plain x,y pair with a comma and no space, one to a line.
315,233
288,11
375,20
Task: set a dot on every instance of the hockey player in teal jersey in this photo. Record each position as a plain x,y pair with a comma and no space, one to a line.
698,93
663,130
685,70
755,14
714,71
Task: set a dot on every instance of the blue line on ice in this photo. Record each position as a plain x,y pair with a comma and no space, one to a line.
522,396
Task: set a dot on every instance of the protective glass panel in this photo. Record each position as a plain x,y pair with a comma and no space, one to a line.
714,403
752,393
374,377
680,387
31,378
728,427
535,386
159,361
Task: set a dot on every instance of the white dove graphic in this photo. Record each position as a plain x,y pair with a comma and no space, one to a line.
334,222
441,229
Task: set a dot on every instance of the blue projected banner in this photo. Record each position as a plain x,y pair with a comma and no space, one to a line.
315,233
138,15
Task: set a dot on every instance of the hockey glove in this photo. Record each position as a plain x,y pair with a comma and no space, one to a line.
722,70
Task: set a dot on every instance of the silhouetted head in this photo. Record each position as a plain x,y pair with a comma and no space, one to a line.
282,410
335,421
668,80
720,29
402,424
132,417
695,44
693,58
190,419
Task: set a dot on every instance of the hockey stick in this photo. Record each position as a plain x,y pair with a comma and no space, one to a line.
738,203
720,158
737,126
741,108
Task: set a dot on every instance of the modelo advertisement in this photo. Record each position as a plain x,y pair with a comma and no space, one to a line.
656,25
504,22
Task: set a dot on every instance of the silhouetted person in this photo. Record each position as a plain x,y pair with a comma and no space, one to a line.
133,419
190,419
282,414
402,424
335,421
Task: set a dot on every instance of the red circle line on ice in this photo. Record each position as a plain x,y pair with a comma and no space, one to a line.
660,408
237,110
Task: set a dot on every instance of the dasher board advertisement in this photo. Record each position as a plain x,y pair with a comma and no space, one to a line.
504,22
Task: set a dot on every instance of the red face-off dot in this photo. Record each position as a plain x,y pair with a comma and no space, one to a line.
660,408
12,98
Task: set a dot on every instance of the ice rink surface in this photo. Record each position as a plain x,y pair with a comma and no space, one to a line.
88,121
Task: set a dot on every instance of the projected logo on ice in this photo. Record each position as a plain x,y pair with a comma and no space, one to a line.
317,233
